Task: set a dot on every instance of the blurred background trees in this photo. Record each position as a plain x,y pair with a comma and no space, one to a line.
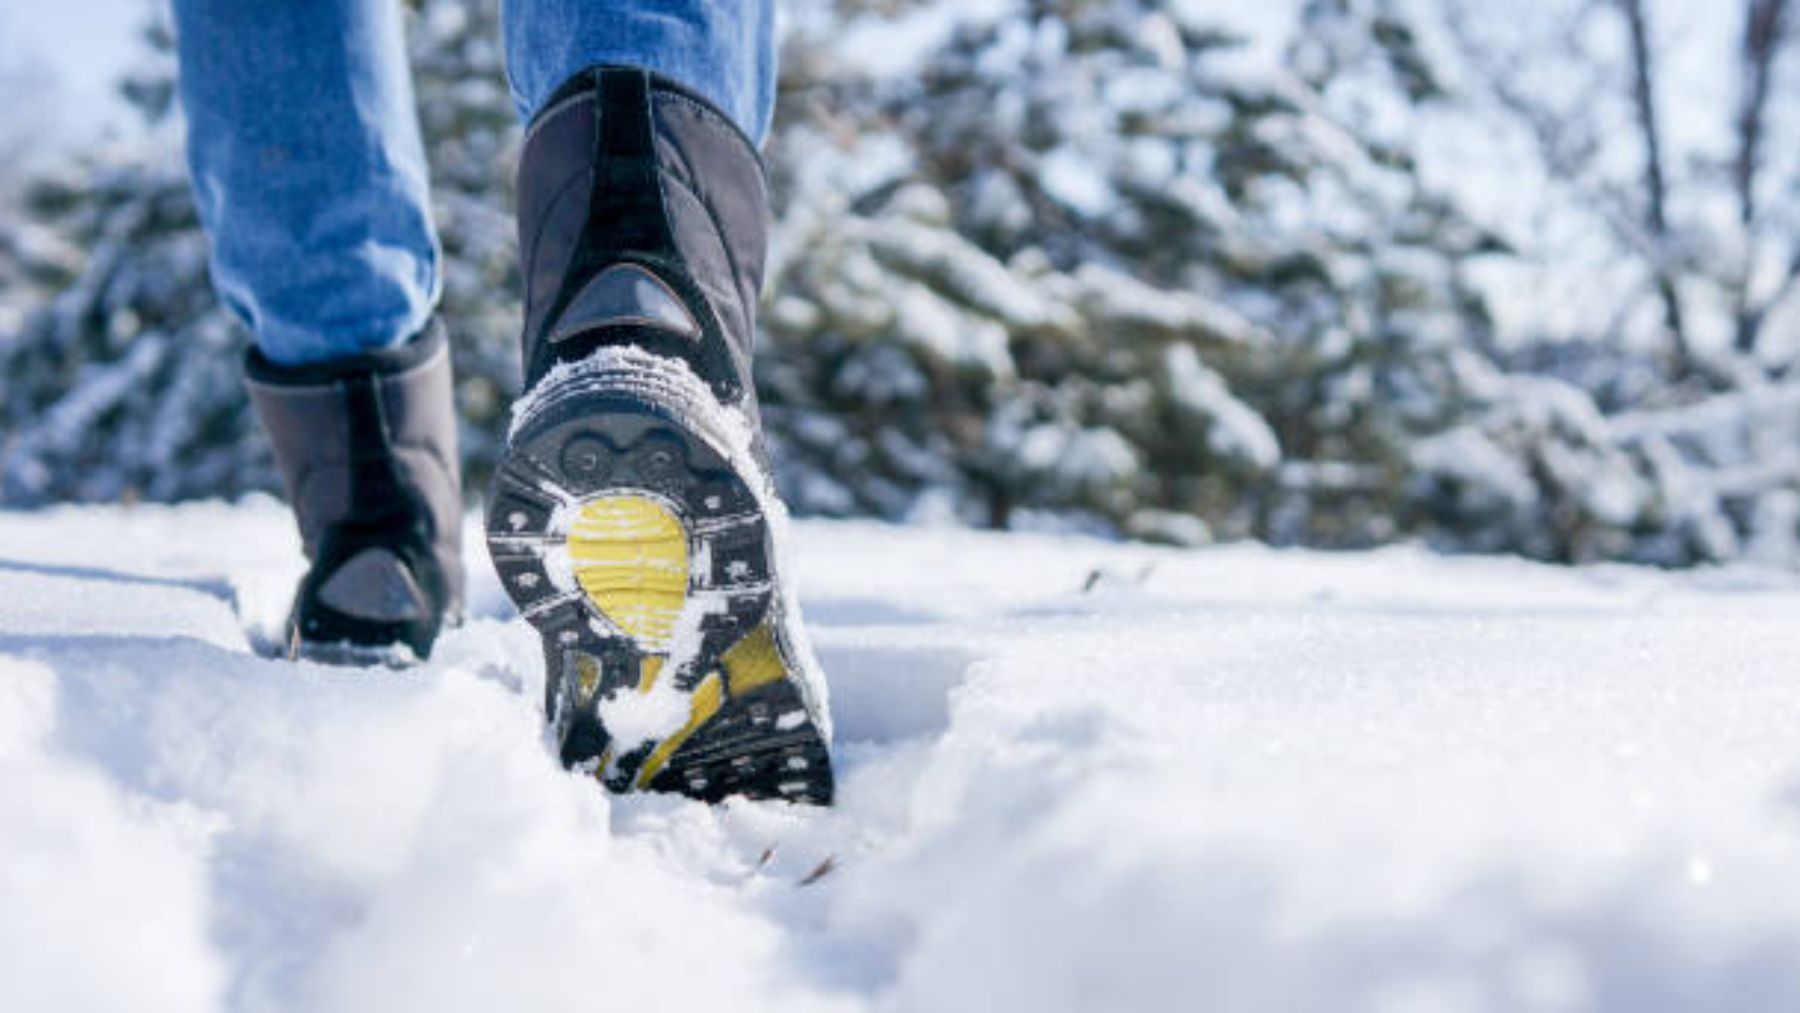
1688,165
1329,272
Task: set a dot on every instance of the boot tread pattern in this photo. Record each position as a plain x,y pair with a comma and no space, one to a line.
640,555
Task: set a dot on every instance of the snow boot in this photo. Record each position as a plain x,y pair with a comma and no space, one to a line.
632,517
367,450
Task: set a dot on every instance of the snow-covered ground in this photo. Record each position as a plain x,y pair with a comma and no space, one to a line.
1075,776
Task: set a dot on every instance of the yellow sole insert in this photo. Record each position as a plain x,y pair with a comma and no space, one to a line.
753,661
630,556
709,696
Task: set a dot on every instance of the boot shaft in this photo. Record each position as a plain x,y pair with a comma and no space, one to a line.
643,218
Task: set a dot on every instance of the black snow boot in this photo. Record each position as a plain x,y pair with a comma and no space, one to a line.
367,451
632,517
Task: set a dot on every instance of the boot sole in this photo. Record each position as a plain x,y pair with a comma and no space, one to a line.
640,550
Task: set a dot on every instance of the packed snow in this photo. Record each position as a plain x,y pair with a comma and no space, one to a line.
1075,775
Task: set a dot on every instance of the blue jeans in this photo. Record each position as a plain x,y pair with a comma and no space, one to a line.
307,163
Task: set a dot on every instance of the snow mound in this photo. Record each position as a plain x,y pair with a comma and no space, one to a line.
1074,775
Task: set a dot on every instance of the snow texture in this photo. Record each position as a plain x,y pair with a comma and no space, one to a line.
1075,775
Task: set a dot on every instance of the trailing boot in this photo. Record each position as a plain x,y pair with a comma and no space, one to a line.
632,517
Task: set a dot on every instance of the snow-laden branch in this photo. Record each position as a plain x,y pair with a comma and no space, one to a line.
1736,408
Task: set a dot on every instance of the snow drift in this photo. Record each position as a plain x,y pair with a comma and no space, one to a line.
1075,775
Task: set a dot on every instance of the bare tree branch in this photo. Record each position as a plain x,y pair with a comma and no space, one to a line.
1656,182
1764,26
1567,137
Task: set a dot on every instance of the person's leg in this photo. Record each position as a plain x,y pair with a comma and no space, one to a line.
722,49
308,171
310,178
632,516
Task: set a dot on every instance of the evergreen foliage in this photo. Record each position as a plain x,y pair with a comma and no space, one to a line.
1129,266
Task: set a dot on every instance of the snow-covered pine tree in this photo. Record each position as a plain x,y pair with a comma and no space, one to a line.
1112,259
1163,269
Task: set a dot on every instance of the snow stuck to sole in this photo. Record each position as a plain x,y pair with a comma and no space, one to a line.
1073,775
